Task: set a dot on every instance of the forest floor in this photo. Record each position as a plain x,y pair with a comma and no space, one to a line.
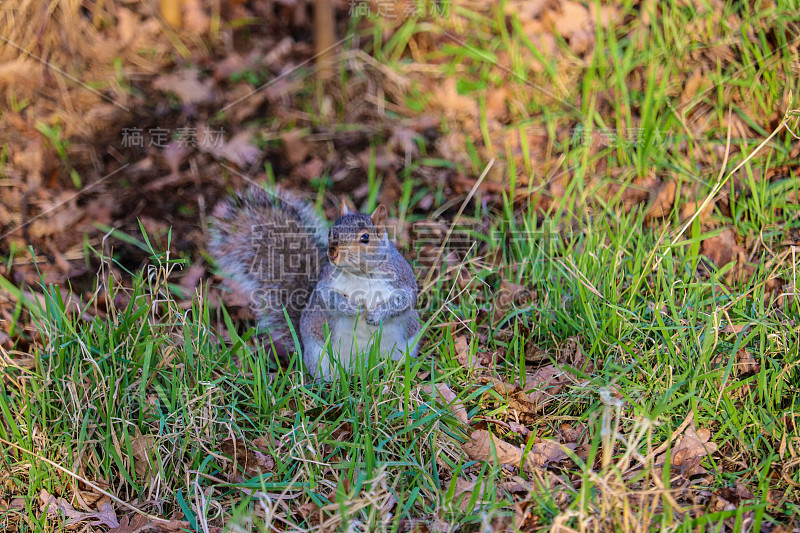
601,202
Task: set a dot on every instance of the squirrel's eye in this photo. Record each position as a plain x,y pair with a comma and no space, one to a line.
365,238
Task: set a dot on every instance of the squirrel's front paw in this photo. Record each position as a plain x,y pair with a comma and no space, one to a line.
374,319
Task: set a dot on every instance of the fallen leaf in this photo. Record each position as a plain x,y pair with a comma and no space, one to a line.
723,248
689,451
573,23
479,448
447,96
310,512
518,428
661,205
187,86
546,452
253,461
195,19
62,213
517,484
296,149
746,363
535,353
463,355
693,86
509,295
142,524
141,457
496,103
193,276
571,433
61,507
481,444
541,387
174,155
448,398
691,208
570,353
734,495
734,328
464,490
16,504
237,150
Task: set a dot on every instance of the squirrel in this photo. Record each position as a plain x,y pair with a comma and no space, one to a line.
351,278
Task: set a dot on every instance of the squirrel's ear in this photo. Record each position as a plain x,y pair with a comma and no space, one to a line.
343,210
378,216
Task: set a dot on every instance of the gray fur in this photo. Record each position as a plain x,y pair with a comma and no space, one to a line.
362,304
273,245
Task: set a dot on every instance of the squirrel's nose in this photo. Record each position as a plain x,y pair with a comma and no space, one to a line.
333,254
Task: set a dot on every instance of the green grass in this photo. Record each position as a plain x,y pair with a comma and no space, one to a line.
371,448
153,369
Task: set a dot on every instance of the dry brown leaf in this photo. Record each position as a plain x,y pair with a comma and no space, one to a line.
723,248
609,14
187,85
448,398
535,353
463,356
16,504
525,9
661,205
689,209
739,128
735,494
480,448
141,524
295,147
734,328
496,103
447,96
237,150
693,86
541,386
464,490
310,512
573,23
59,218
543,39
252,460
195,19
571,433
509,295
571,353
689,451
141,458
517,484
546,452
174,155
309,170
518,428
61,507
193,276
746,363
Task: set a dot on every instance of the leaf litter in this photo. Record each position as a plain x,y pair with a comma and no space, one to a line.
305,159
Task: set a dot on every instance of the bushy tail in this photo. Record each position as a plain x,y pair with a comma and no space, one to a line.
273,245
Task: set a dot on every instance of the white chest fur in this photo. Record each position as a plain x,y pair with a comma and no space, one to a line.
364,291
352,335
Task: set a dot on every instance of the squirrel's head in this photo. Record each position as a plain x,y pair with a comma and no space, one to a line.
357,242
